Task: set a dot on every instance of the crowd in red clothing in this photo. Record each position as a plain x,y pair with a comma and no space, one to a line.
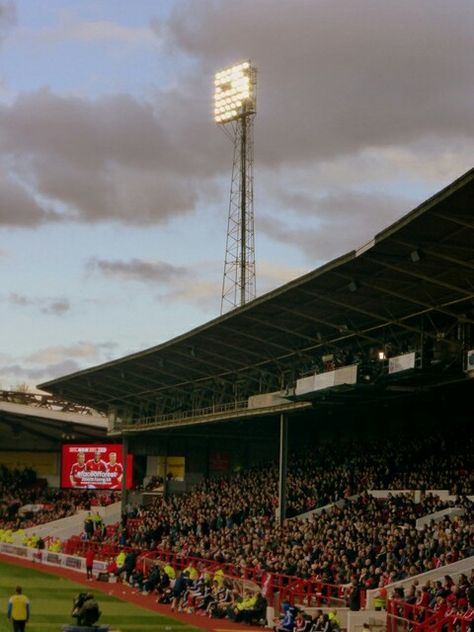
438,601
20,488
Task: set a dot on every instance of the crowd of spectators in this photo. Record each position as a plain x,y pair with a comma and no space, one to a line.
329,472
436,600
195,589
369,539
26,500
232,518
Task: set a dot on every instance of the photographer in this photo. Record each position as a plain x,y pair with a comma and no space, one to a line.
85,609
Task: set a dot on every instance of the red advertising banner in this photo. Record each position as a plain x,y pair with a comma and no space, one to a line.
93,466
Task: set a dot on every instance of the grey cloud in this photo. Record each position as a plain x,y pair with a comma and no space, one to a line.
345,220
54,306
71,27
56,370
19,299
52,362
59,353
139,270
57,307
111,159
202,293
7,17
335,80
18,207
368,209
41,373
337,77
53,370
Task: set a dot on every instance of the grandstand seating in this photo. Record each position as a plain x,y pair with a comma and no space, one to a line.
229,523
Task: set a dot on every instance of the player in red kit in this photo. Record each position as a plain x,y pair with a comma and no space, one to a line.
96,470
115,471
96,464
77,470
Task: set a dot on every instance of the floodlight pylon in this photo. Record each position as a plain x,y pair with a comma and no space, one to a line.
235,112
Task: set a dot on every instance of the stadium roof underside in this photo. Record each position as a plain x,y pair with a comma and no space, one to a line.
27,419
412,284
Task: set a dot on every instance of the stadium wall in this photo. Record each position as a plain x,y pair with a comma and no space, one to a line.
204,456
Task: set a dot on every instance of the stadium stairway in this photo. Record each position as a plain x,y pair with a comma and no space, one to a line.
437,516
454,570
64,528
325,508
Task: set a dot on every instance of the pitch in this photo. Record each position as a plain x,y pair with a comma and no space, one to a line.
51,602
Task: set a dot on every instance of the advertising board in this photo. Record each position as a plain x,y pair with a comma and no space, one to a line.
94,466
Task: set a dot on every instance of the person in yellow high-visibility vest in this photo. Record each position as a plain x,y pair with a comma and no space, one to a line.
18,610
191,571
120,559
247,603
169,570
380,598
219,576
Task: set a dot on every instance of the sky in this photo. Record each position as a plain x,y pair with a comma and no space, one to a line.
114,179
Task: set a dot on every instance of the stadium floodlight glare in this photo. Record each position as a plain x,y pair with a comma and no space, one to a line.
235,92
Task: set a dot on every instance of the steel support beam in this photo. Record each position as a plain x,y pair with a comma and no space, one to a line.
283,468
125,473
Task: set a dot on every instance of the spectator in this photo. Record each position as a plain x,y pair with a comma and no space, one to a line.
89,563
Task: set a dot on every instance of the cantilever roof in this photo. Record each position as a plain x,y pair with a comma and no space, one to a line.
422,264
44,418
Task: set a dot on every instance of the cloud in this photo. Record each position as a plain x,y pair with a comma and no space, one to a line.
54,361
58,353
72,28
176,284
336,78
54,306
340,96
200,292
37,374
332,83
421,161
57,307
7,17
19,299
155,272
18,206
346,219
112,159
197,285
271,275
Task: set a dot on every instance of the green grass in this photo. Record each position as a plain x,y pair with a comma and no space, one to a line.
51,604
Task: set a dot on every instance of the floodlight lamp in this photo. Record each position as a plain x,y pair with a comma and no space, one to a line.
235,92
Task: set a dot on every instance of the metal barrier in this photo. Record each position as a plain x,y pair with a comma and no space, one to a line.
405,617
295,590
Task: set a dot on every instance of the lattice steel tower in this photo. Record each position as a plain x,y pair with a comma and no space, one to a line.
235,109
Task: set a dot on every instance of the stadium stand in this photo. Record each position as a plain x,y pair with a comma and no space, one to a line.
26,501
233,519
